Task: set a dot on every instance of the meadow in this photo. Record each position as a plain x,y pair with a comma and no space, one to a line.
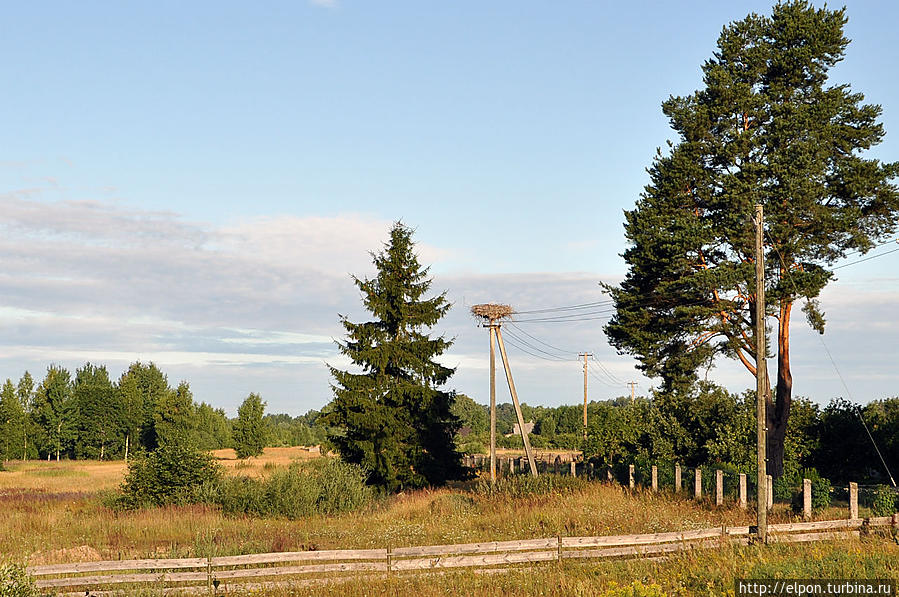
55,513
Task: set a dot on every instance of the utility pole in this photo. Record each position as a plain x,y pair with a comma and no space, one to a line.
761,377
524,434
492,403
633,385
585,355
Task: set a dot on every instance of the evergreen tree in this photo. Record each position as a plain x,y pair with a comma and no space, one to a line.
766,128
249,431
392,416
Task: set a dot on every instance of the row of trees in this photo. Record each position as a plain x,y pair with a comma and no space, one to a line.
706,425
90,416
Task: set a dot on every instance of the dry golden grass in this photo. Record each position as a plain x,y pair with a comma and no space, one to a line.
42,523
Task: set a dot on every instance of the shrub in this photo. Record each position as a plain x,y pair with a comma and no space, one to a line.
328,486
886,501
821,490
172,474
15,582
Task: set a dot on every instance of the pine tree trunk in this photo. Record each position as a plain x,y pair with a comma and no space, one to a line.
779,411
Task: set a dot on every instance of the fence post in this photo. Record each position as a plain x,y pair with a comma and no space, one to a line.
630,476
853,501
389,559
770,492
697,489
559,553
590,470
557,464
209,575
573,468
655,478
806,499
719,487
742,499
677,478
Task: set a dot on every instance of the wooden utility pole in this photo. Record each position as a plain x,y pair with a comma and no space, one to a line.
492,404
524,433
633,385
585,355
761,377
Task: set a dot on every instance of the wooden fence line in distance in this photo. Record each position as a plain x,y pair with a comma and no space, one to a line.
741,500
199,574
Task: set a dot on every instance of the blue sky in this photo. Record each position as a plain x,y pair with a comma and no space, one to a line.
193,182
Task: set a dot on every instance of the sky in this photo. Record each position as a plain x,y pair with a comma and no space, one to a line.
194,184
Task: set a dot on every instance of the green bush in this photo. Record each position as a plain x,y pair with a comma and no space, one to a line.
170,475
327,486
821,490
886,501
15,582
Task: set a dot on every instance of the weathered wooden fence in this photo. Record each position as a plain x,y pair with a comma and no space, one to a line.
234,573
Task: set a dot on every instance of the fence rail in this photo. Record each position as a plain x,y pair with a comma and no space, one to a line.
205,574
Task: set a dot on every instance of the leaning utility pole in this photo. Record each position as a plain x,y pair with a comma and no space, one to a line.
493,314
585,355
761,376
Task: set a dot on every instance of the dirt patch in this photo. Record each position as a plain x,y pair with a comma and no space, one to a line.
82,553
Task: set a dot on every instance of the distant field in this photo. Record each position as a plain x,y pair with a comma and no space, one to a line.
90,476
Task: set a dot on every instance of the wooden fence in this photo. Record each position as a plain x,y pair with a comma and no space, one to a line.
215,574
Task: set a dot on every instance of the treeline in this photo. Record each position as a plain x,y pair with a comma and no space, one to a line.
705,426
90,416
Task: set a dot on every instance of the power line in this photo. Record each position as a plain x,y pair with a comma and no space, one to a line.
531,346
526,351
569,307
547,344
611,375
869,258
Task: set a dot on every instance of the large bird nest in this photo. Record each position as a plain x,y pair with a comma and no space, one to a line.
491,311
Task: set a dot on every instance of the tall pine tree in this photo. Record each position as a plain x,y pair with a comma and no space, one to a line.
392,416
766,128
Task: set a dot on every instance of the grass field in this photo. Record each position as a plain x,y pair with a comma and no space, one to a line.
54,513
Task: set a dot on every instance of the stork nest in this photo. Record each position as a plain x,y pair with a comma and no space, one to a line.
492,311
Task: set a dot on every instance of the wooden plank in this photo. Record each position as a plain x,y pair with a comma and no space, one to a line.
488,547
295,570
737,530
115,579
299,556
476,560
804,537
112,565
792,527
638,550
645,539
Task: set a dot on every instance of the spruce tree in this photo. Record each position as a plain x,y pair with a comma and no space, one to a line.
393,416
766,128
